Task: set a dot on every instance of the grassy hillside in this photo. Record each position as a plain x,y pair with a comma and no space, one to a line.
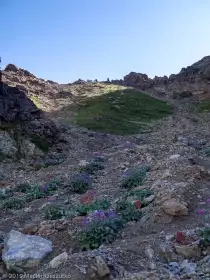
121,112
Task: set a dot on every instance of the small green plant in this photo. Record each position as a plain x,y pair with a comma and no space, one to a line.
92,167
24,188
53,185
13,203
205,236
204,105
6,193
134,177
53,212
130,213
102,204
206,152
80,182
100,232
140,194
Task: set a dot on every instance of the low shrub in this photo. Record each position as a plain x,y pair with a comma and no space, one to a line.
54,212
140,195
130,213
84,209
24,188
134,177
80,182
100,231
205,236
13,203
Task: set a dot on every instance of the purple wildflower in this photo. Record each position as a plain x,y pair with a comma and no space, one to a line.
201,211
83,176
85,221
208,200
111,213
99,214
43,188
127,172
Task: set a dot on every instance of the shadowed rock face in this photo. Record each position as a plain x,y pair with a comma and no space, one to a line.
16,106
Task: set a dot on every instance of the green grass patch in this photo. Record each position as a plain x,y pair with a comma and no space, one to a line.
204,106
131,113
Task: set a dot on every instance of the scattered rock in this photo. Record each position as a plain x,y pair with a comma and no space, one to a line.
24,251
148,199
188,268
59,260
102,268
175,207
188,251
167,252
30,229
149,253
174,157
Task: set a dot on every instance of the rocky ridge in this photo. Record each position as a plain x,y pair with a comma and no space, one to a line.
192,80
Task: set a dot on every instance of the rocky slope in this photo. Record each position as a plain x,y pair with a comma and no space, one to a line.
162,211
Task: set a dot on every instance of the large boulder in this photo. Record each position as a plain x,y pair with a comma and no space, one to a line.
7,145
24,251
16,106
43,133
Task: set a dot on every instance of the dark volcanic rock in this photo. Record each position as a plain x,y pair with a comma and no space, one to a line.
11,67
16,106
43,132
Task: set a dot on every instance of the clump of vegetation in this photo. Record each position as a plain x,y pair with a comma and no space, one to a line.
204,106
100,231
24,188
130,213
128,113
128,210
205,236
140,195
13,203
80,182
92,167
84,209
5,193
54,212
37,191
206,152
134,177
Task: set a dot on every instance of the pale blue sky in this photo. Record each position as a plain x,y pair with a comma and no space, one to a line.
64,40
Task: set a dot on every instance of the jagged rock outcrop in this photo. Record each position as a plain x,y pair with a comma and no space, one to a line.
16,106
191,81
